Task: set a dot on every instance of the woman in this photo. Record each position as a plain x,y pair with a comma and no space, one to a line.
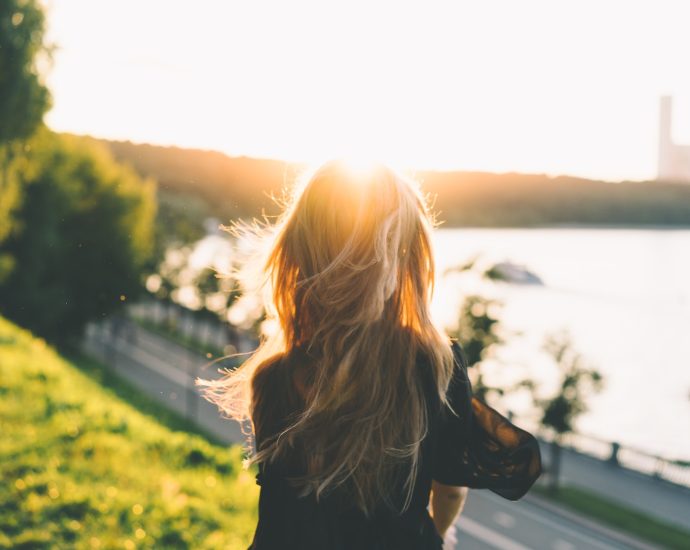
361,408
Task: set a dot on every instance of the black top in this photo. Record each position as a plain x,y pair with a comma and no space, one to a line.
478,448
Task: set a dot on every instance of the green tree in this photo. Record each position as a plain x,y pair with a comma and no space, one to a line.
478,332
81,237
559,412
217,292
24,99
179,223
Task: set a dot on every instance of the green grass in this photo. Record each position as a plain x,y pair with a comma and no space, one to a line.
83,467
619,517
130,394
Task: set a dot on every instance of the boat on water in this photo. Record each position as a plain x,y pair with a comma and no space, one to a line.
513,273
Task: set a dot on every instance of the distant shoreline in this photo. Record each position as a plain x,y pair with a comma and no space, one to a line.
240,187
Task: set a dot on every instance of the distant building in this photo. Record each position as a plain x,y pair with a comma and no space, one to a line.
674,160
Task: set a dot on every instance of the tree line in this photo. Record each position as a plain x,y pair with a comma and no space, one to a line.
233,187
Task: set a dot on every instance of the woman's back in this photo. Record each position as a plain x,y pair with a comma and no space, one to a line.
478,448
349,439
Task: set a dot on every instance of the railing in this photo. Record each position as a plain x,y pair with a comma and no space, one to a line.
222,336
674,471
207,332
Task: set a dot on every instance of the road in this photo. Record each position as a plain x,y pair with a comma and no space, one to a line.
166,371
489,521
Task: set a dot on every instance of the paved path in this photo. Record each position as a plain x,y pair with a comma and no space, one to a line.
166,371
656,498
489,521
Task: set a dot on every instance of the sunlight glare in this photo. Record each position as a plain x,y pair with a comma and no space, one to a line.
491,86
360,167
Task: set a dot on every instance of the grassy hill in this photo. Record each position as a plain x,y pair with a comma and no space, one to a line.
233,187
82,468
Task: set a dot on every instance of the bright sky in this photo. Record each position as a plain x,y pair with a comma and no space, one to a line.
549,86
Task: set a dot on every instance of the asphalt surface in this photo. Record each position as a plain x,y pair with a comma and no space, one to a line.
166,372
489,521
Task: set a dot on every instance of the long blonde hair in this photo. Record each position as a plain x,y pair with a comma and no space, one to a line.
349,276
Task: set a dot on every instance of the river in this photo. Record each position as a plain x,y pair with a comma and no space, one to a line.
622,294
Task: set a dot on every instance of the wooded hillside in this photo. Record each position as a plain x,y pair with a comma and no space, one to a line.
241,187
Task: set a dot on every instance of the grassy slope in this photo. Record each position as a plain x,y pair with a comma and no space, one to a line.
81,467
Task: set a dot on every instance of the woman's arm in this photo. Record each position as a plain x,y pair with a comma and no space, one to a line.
447,501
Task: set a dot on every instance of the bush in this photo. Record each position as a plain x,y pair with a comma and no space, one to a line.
79,239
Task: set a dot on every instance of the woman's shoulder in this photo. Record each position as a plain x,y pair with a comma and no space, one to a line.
454,345
269,399
277,386
267,371
459,359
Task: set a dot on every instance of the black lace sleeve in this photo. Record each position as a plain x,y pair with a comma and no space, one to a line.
479,448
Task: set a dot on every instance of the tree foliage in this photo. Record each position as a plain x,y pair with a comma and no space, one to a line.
24,97
478,332
217,292
577,381
235,187
80,238
559,412
179,223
